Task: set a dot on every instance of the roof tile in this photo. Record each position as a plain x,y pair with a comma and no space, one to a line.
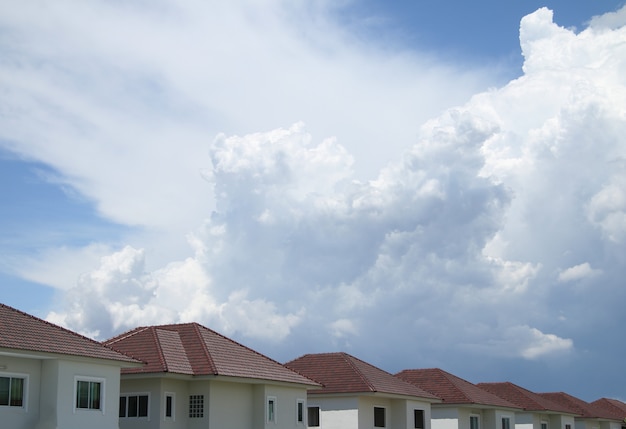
524,398
343,373
21,331
578,406
452,389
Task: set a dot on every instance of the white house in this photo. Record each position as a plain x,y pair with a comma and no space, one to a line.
357,395
464,405
197,378
537,412
53,378
588,416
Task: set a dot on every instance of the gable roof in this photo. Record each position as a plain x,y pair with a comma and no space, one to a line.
614,406
452,389
524,398
343,373
20,331
578,406
192,349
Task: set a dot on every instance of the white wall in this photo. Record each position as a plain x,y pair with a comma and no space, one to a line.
25,417
336,413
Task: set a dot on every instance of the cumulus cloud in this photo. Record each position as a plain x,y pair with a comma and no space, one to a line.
449,250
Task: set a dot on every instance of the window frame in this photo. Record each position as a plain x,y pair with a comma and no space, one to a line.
309,423
300,407
138,395
193,412
102,393
384,411
417,411
505,419
271,412
25,386
172,395
544,424
477,417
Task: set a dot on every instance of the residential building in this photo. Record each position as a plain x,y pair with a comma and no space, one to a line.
537,412
358,395
53,378
197,378
464,405
614,406
588,415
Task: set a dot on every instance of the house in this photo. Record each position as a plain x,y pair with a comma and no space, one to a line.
589,416
536,411
54,378
464,405
357,395
197,378
614,406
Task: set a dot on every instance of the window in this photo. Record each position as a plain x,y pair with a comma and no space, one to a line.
196,406
134,405
568,426
506,423
300,411
418,418
12,391
474,422
313,416
169,405
88,394
544,425
379,417
271,409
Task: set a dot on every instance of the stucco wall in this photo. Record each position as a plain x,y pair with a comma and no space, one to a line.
336,413
24,417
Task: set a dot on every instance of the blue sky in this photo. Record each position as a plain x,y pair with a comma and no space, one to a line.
399,180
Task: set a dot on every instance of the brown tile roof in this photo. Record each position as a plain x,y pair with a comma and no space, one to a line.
21,331
614,406
343,373
580,407
452,389
193,349
524,398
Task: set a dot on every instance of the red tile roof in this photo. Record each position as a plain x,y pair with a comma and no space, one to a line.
578,406
193,349
524,398
21,331
343,373
452,389
612,405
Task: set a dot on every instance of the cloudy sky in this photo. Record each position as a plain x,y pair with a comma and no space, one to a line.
419,185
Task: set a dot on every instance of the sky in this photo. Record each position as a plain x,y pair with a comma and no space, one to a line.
418,184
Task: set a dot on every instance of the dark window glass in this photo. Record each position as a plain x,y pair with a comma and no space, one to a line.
418,417
122,406
379,417
132,406
143,406
168,406
314,416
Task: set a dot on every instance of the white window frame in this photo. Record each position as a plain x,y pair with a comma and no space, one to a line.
137,394
26,378
374,415
502,418
173,396
544,422
271,418
301,403
423,417
319,416
477,417
90,379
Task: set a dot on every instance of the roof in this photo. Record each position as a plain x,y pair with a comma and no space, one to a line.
20,331
192,349
343,373
452,389
612,405
524,398
578,406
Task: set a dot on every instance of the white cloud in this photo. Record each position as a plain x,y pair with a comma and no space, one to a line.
454,244
577,272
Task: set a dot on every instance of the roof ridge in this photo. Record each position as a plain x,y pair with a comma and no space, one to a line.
157,342
350,359
452,379
196,327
